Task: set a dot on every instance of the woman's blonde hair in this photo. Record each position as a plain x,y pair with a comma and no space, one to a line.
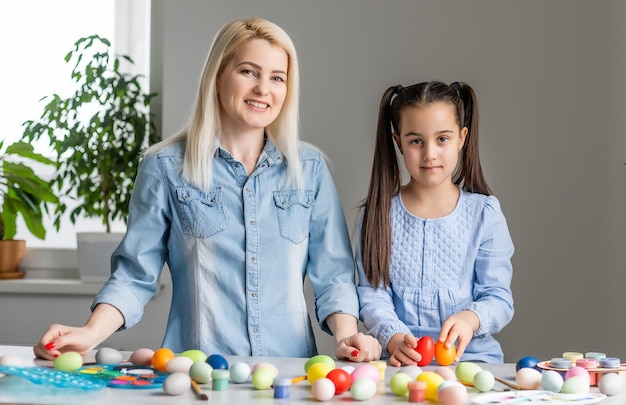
203,128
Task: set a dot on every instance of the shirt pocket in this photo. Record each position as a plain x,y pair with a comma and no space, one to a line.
294,213
202,214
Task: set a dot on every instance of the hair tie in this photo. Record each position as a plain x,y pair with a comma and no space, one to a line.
456,86
399,88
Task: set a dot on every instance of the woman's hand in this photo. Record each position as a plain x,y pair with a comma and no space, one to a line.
461,326
60,339
402,349
358,348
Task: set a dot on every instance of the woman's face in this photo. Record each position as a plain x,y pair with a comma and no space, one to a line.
253,87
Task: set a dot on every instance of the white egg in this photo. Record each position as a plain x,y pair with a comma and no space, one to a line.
240,372
528,378
176,383
107,355
179,364
323,389
142,357
11,360
413,371
611,384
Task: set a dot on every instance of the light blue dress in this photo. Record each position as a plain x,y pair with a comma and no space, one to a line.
440,267
238,254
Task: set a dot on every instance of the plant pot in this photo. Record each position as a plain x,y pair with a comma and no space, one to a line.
11,255
94,254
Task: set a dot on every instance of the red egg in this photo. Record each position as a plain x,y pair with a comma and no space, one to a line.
425,347
341,379
444,355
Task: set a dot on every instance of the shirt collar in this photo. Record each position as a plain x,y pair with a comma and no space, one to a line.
270,153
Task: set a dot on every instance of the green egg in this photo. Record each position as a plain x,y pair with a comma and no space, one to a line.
399,383
69,361
320,358
200,372
195,355
575,385
484,381
263,378
465,371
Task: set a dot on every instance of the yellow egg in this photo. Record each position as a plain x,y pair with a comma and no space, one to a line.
317,371
432,380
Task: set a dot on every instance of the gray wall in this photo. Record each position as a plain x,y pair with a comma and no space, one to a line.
551,89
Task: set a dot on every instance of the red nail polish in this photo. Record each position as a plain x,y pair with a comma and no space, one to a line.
354,353
56,355
49,346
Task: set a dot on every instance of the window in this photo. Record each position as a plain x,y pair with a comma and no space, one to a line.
35,36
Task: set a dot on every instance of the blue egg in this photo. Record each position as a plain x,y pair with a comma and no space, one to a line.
527,362
217,361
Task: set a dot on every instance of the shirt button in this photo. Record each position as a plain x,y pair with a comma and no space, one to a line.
252,222
236,164
255,330
253,295
253,259
248,189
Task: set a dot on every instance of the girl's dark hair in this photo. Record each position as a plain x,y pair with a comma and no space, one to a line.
385,179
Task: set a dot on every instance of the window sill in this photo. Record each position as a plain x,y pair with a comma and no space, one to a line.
54,272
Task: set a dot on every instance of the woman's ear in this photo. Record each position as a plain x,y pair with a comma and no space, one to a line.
396,138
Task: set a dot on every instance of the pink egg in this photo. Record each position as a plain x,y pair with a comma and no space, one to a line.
265,365
142,357
578,371
446,373
366,370
453,394
323,389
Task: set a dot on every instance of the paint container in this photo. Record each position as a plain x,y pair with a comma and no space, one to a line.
381,366
595,355
220,379
281,387
417,391
561,363
589,365
573,356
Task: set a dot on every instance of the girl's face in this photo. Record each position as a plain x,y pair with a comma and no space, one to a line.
430,141
253,87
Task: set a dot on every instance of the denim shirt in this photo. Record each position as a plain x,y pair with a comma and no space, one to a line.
238,254
442,266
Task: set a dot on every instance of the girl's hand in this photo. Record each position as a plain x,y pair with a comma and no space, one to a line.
60,339
402,349
461,326
358,348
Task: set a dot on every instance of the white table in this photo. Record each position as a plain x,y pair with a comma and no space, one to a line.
15,390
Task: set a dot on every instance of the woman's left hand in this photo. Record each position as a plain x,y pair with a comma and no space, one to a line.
359,348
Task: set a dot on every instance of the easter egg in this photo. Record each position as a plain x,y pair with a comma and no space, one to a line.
413,371
578,371
323,389
444,355
194,355
611,384
575,385
217,361
11,360
432,380
317,371
179,364
399,383
176,384
142,357
425,347
240,372
68,361
348,368
363,389
161,357
453,393
465,371
263,378
341,379
527,361
551,380
200,371
446,373
320,358
484,381
528,378
264,364
366,370
107,355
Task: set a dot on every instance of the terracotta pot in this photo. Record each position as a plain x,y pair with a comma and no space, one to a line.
11,255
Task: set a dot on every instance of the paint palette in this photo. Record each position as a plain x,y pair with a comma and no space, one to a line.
547,365
125,376
538,396
57,378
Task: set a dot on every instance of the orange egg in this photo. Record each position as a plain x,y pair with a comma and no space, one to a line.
161,357
444,355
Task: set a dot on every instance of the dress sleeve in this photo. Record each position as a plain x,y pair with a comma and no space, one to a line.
493,299
138,261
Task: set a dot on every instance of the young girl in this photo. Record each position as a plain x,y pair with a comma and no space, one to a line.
434,255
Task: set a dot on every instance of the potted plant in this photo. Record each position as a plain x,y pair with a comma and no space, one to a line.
22,193
98,134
